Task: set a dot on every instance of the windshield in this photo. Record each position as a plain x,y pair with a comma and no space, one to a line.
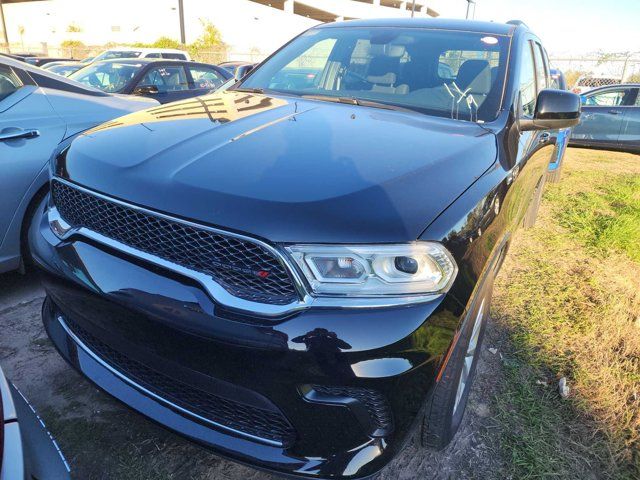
64,70
107,76
451,74
110,54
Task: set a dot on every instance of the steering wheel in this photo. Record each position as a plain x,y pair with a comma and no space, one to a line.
356,77
94,81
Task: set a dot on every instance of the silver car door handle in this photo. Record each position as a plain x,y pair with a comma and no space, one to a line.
15,134
615,112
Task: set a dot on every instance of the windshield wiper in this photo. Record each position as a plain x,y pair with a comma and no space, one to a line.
357,101
248,90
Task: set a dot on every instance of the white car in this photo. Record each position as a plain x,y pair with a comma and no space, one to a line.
134,52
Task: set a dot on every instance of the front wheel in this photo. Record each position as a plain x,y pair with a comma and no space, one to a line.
446,409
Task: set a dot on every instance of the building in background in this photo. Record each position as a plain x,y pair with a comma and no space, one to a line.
249,27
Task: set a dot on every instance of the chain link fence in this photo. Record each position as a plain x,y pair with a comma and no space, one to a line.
598,71
80,53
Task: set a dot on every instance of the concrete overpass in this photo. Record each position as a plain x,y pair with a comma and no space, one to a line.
336,10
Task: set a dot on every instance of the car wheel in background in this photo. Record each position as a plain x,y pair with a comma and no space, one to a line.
25,251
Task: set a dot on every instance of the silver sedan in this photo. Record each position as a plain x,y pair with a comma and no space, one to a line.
39,111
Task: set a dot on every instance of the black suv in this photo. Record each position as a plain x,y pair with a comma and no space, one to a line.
296,272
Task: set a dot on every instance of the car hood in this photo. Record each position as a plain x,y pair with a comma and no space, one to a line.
82,111
284,168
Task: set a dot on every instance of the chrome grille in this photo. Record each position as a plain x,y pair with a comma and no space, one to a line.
245,269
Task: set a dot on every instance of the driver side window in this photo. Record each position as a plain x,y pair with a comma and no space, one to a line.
610,98
9,82
527,82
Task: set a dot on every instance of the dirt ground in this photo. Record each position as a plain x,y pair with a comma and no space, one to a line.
104,440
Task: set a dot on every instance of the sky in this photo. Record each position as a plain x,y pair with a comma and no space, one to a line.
565,26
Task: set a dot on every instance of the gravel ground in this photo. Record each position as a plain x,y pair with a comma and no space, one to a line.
104,440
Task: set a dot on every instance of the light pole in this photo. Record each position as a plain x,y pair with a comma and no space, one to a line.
469,2
5,36
413,7
181,17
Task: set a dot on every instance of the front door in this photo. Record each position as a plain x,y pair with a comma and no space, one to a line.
602,117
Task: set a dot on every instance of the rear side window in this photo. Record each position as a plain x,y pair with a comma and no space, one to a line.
610,98
527,81
153,55
9,82
204,77
174,56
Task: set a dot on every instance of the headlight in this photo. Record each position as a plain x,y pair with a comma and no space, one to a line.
419,268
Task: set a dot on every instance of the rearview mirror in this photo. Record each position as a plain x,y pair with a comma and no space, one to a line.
554,109
146,90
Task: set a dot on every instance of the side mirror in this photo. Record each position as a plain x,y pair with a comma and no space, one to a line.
146,90
242,71
555,109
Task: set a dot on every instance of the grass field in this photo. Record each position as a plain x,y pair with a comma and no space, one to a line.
568,301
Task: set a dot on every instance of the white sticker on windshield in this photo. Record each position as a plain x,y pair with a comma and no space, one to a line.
489,40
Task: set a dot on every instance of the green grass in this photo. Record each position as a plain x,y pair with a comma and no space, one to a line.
568,300
606,218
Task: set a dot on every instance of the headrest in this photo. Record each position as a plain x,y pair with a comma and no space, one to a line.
474,75
387,50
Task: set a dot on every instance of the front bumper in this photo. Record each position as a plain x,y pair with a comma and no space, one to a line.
321,393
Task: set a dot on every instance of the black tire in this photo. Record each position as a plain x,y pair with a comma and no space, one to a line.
532,212
442,417
25,251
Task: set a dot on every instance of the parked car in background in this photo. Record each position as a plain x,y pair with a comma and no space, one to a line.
554,172
585,84
237,69
39,110
27,450
610,119
558,80
65,68
289,272
163,80
20,58
47,66
41,61
134,52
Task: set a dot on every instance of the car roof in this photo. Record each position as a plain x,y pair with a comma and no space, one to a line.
32,69
67,64
144,50
147,61
434,23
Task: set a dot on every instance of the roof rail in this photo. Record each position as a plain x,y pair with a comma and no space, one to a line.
517,23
